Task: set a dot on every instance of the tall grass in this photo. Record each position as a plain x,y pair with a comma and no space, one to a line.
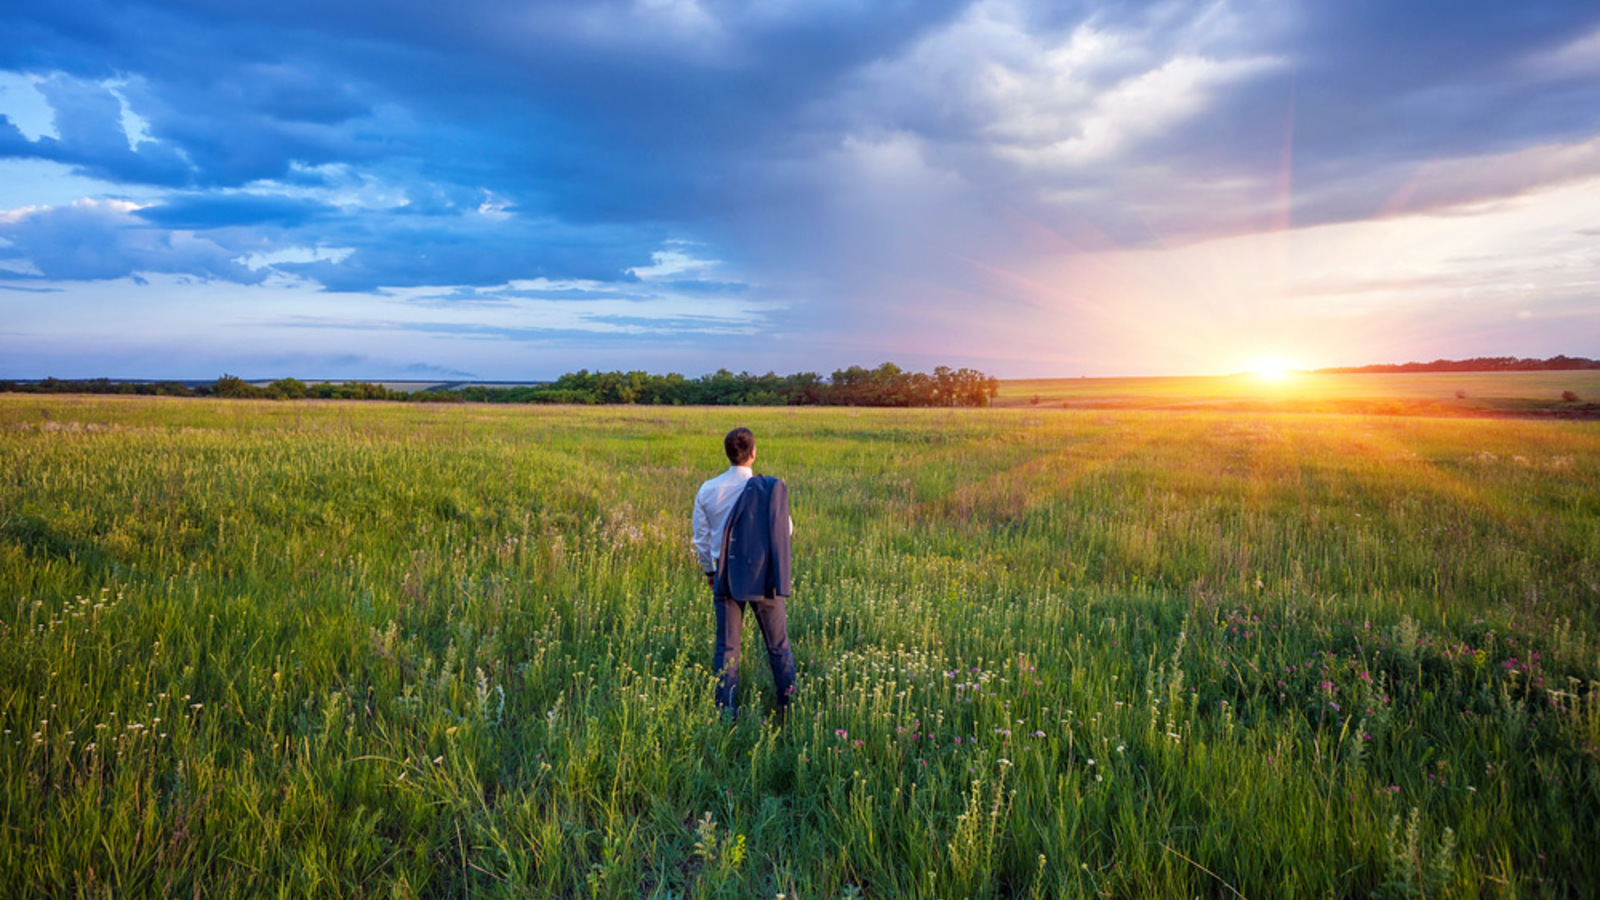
372,650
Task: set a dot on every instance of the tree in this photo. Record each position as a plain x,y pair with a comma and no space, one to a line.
234,386
287,389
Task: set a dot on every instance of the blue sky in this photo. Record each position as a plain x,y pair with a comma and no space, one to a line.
505,190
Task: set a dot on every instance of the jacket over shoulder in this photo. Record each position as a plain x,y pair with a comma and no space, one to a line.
755,543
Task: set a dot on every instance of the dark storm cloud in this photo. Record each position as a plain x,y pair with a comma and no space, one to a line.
202,211
1384,85
1338,103
573,112
398,250
607,111
574,103
88,118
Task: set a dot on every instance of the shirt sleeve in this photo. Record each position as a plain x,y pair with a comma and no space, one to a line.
702,536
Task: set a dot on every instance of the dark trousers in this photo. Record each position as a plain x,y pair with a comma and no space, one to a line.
774,622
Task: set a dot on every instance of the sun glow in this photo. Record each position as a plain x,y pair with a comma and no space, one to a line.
1272,369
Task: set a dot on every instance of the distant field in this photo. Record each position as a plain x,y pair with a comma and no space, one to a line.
1430,393
401,650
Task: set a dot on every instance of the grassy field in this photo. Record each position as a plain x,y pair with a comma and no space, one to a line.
332,649
1422,393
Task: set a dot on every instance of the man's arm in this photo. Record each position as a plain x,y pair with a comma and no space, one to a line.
702,538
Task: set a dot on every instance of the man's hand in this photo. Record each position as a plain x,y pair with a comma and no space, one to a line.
711,580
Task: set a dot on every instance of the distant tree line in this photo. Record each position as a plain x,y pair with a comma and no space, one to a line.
1476,364
98,386
226,386
886,385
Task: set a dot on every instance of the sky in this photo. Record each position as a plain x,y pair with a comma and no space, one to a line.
499,190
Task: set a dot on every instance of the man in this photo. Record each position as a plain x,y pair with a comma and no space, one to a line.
741,536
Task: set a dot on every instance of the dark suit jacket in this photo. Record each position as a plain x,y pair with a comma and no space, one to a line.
755,543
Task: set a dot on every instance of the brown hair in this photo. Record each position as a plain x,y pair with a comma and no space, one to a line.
740,445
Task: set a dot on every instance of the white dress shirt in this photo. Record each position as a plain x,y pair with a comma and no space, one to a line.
712,504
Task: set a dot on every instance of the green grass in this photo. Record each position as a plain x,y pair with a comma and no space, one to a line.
341,649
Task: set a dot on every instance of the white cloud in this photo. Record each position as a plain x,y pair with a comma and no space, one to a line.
1111,122
995,81
87,205
261,260
1577,58
681,18
677,261
102,240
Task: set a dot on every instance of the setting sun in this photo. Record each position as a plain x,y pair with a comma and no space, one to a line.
1271,369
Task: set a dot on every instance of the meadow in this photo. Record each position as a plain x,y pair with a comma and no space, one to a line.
1417,393
361,649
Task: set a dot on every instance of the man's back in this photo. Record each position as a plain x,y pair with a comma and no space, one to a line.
755,542
712,503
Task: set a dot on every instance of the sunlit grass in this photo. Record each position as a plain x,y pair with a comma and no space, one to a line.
1288,390
345,649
